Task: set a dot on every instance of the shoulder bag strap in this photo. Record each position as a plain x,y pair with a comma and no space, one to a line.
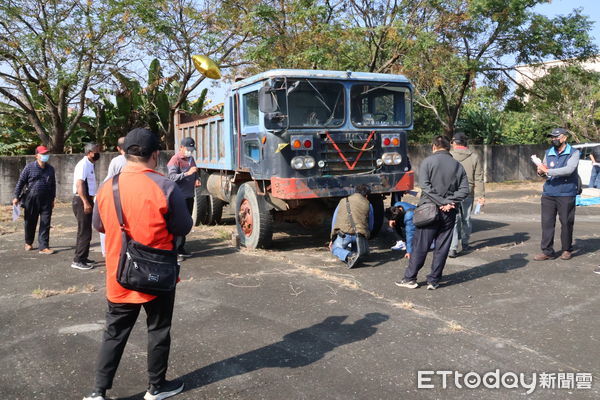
119,210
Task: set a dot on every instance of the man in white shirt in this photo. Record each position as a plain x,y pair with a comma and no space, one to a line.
84,190
114,168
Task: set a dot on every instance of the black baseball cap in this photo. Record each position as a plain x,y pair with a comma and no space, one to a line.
459,136
145,139
188,143
556,132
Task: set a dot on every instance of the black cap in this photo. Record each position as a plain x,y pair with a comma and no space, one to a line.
188,143
459,136
556,132
144,138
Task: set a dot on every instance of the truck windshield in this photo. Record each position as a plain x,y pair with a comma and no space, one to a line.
313,103
381,105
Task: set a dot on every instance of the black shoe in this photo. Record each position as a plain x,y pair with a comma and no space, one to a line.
597,270
453,254
97,394
466,247
165,390
89,262
351,259
184,253
180,258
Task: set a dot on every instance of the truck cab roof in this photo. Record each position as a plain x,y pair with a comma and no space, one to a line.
320,74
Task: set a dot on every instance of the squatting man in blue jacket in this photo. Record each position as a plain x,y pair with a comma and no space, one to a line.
400,217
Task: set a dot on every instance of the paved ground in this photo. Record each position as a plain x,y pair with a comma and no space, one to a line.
293,323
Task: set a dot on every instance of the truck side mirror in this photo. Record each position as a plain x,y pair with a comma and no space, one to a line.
267,100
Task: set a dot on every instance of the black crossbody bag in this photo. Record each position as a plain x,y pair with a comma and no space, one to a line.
143,268
425,214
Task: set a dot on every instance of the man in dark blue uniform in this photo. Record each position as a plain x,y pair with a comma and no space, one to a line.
559,167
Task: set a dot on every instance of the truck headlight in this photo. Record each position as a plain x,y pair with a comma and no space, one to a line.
297,163
391,158
303,162
309,162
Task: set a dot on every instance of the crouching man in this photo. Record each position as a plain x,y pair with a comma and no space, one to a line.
351,225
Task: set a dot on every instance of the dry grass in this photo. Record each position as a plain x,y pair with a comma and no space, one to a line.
40,293
406,305
453,326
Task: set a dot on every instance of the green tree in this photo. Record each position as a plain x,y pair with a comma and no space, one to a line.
51,53
568,96
175,30
465,38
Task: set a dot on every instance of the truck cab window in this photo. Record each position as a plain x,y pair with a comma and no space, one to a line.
312,103
381,104
251,109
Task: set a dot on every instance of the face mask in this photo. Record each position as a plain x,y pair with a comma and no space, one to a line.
556,143
44,157
188,153
96,156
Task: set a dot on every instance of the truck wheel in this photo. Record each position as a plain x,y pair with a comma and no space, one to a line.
208,210
252,217
214,211
200,208
378,211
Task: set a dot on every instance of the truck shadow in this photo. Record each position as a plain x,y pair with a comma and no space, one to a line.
295,350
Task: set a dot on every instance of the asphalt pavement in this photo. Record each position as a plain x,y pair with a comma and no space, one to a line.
292,322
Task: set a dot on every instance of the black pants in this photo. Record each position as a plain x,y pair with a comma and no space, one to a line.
564,206
181,239
84,230
38,206
441,232
120,319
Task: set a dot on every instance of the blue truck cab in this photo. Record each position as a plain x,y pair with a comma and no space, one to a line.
290,143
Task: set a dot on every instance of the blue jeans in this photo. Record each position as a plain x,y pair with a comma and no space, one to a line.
342,246
595,178
462,226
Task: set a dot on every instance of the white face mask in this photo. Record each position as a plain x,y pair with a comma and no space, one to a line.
188,153
44,157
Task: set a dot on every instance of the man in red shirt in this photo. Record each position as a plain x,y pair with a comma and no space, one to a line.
154,213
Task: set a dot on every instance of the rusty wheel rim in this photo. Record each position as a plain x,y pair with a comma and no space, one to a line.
245,217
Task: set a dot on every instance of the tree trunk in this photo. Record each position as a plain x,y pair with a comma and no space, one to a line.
170,134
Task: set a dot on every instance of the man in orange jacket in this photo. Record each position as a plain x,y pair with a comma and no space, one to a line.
154,213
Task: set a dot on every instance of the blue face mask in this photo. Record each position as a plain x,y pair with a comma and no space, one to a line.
44,157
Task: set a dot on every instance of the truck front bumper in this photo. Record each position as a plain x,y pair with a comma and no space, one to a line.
339,186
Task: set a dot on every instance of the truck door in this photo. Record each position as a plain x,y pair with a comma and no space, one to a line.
250,126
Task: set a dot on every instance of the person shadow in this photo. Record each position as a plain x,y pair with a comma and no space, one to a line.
296,349
502,241
515,261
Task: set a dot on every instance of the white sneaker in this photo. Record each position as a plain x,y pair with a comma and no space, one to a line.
432,286
400,245
407,284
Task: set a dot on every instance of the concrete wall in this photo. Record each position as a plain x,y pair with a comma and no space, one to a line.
501,163
64,165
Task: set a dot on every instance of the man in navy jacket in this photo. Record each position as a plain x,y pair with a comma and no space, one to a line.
560,189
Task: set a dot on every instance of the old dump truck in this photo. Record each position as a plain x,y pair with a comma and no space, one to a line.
291,143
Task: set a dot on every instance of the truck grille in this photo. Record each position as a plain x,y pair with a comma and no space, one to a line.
350,145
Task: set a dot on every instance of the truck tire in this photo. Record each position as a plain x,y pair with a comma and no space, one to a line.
253,219
208,210
200,208
378,212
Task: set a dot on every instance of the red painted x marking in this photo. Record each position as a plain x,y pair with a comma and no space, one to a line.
362,150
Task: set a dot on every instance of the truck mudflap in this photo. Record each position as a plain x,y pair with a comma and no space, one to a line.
339,186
